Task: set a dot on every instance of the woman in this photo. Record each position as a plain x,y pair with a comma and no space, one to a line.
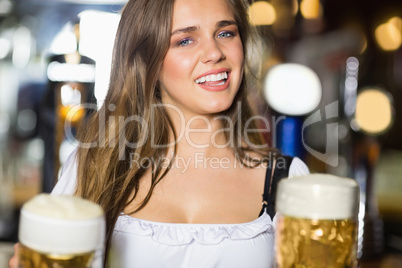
173,156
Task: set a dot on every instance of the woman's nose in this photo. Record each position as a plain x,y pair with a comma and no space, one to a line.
212,52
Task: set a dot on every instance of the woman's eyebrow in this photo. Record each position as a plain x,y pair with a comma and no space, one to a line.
185,30
189,29
224,23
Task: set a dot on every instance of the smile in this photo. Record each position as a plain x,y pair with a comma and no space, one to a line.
216,79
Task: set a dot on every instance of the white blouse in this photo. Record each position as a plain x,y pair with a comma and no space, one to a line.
141,243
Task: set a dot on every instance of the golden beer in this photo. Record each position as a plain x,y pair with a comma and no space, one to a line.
29,258
317,222
59,231
316,243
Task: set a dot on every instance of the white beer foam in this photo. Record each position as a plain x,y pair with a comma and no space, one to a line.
63,207
318,196
61,224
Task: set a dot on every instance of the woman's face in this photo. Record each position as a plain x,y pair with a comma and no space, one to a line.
203,67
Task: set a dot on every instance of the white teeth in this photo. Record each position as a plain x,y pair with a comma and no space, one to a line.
212,78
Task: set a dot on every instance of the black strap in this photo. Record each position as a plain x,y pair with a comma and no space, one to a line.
280,171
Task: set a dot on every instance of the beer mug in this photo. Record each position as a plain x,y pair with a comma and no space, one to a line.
59,231
317,222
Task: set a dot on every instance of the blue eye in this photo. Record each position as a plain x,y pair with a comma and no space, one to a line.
184,42
226,34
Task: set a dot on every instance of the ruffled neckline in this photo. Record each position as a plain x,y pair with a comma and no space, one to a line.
186,233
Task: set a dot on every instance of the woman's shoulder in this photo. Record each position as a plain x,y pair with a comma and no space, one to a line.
67,182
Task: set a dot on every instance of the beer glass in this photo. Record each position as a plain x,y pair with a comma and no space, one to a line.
59,231
317,222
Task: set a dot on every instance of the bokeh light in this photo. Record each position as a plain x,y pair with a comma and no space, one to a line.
262,13
373,120
311,9
292,89
388,35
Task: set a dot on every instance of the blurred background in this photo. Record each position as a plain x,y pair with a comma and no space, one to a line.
55,57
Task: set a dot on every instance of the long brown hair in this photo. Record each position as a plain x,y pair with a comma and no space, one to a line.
122,125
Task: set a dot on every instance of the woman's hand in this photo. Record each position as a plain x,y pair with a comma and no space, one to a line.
13,262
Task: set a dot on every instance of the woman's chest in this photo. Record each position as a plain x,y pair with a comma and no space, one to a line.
216,196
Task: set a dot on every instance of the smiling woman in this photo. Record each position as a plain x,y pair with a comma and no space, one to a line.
205,47
175,156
